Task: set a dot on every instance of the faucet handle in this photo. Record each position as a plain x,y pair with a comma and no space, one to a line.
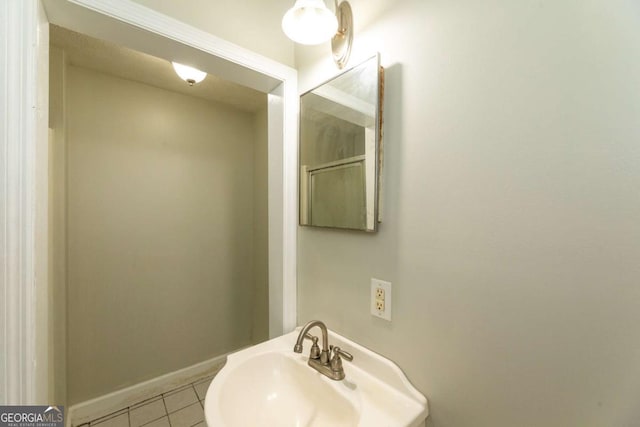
336,361
315,349
337,351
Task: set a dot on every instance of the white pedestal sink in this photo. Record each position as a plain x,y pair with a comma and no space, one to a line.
270,385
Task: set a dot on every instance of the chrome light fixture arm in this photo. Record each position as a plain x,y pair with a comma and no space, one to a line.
343,39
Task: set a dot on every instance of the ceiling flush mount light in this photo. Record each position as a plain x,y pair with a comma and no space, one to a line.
310,22
189,74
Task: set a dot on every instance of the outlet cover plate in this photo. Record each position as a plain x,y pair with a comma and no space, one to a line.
386,287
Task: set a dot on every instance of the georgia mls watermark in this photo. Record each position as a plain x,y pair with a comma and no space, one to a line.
32,416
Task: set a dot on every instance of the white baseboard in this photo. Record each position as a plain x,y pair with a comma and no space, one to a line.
104,405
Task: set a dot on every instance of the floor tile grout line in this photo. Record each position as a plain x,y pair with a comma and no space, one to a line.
160,417
107,417
198,396
146,402
111,415
176,390
167,411
188,404
150,401
155,419
184,407
207,378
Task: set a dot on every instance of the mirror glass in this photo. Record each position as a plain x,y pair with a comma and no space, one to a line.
340,133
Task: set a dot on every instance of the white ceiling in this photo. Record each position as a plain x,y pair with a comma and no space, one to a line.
109,58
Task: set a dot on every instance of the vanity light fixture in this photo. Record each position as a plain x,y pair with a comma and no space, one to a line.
310,22
189,74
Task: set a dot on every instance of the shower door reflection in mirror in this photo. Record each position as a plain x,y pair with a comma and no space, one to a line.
340,132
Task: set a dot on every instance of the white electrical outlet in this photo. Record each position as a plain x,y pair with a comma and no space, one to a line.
381,299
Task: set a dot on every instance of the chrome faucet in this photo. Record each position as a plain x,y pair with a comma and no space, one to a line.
327,361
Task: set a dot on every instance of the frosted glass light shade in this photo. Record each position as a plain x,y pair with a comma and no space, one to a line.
309,22
189,74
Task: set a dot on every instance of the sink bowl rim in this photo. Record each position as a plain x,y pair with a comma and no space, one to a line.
380,383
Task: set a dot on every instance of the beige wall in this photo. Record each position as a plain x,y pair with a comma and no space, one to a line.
160,232
511,230
252,24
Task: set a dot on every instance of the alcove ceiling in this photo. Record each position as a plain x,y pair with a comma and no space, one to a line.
105,57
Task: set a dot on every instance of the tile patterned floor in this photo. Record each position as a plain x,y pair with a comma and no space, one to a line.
181,407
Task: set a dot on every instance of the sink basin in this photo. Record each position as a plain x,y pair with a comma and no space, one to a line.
268,384
283,391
